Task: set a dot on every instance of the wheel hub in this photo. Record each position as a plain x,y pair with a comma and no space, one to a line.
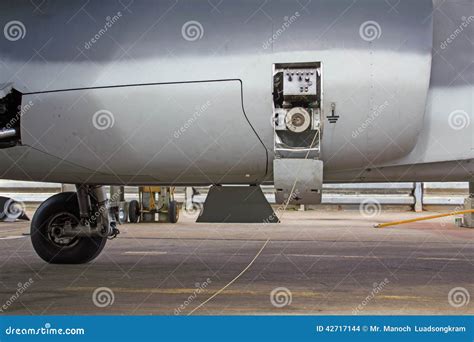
56,228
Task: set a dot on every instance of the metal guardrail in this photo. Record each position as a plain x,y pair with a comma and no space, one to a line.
449,194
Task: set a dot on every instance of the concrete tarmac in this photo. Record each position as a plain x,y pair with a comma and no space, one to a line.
314,262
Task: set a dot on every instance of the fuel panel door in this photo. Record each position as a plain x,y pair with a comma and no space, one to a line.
194,132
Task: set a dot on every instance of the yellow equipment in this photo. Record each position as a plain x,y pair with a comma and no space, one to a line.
152,201
431,217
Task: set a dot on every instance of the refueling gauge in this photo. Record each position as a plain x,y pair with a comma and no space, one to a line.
298,120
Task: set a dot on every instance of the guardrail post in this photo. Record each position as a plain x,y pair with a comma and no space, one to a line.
418,196
188,198
68,188
468,219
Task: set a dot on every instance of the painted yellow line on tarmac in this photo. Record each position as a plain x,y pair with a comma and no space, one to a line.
178,291
334,256
121,309
264,293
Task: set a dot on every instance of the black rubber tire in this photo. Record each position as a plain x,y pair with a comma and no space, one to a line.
84,250
122,216
133,211
173,212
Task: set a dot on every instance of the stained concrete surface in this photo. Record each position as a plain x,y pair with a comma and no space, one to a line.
314,262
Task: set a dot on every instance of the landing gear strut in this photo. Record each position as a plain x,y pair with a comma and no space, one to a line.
72,228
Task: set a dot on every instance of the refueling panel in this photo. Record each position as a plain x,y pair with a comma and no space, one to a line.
297,96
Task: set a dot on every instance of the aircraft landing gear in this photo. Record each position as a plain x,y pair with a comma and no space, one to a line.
155,204
72,228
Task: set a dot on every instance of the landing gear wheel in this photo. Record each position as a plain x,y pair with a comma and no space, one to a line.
133,211
47,222
173,212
